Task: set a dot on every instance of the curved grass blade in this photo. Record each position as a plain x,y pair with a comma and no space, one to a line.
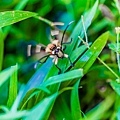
75,103
92,53
77,53
13,115
36,91
116,87
4,108
98,112
5,74
1,47
12,86
34,82
21,5
39,112
63,77
11,17
78,30
61,109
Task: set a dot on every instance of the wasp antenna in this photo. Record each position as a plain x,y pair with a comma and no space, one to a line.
65,31
29,50
71,22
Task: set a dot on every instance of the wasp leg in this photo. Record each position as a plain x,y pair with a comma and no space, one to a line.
70,62
64,47
69,42
58,69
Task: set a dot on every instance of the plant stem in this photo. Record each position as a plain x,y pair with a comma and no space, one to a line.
86,38
86,43
117,54
51,24
100,59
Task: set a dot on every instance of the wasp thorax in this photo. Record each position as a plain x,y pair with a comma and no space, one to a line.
55,49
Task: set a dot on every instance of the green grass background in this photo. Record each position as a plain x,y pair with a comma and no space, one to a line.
88,91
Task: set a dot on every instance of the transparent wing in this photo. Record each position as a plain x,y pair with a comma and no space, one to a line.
37,51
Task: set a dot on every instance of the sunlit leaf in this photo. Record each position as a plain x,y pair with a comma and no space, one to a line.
11,17
91,54
13,115
35,81
1,48
12,86
78,30
5,74
75,103
64,77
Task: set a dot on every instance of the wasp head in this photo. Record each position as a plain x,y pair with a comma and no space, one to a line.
55,49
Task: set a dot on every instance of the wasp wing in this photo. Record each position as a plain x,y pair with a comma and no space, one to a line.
37,51
57,34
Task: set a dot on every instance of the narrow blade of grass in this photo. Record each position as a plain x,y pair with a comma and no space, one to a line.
13,115
116,87
5,74
11,17
64,77
1,48
91,54
40,111
21,5
78,31
34,82
61,109
75,103
12,86
99,111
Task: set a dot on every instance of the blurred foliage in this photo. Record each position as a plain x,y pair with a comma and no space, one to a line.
99,88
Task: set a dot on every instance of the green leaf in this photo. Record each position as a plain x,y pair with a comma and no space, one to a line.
21,5
64,77
78,30
115,86
12,86
11,17
61,109
118,113
98,112
32,93
5,74
40,111
1,47
75,103
4,108
13,115
88,58
35,81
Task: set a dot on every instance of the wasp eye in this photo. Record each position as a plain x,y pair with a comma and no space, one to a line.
56,51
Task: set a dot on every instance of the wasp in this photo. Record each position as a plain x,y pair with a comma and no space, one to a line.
53,50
